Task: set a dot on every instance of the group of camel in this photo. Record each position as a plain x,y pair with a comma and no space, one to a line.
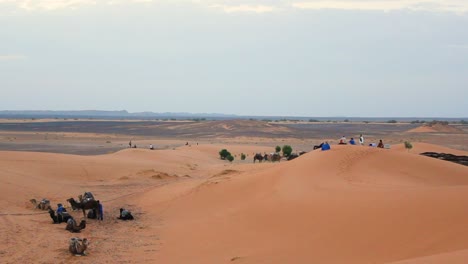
267,157
77,246
275,156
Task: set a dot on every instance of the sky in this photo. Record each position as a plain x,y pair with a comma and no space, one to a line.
354,58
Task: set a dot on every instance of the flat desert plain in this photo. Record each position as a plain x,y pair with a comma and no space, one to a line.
352,204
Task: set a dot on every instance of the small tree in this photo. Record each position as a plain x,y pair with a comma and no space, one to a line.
224,153
230,158
278,149
287,150
242,156
408,145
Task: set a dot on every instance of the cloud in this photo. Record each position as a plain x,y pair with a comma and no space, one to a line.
256,6
457,6
11,57
245,8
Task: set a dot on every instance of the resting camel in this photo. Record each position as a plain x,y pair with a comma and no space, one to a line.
78,246
273,157
72,227
90,204
44,204
258,157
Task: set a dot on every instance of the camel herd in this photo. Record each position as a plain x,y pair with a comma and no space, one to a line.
275,156
77,246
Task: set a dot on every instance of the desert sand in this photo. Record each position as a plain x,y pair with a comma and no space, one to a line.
353,204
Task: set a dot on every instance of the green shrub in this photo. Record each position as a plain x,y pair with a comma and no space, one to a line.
242,156
230,158
287,150
224,153
277,149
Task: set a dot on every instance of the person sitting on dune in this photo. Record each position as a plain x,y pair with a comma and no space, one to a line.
381,144
151,147
325,146
352,142
318,146
342,141
125,214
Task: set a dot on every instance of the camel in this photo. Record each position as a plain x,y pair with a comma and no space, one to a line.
78,246
258,157
273,157
90,204
295,155
44,204
72,227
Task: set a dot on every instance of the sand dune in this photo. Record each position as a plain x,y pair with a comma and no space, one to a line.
436,128
352,204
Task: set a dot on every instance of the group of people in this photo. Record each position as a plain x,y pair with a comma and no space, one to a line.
326,146
351,141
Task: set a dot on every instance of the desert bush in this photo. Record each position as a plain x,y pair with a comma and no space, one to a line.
243,156
393,121
224,153
230,158
277,149
287,150
313,120
408,145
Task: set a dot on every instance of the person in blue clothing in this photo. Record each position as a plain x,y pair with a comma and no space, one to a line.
325,146
62,214
352,142
101,211
60,208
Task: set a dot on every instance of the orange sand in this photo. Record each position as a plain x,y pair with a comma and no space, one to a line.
352,204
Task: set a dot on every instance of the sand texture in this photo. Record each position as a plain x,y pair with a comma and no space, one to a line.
352,204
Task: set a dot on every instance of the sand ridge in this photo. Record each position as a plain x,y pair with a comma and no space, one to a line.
352,204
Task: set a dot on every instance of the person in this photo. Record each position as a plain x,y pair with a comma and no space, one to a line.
352,142
130,144
62,214
92,214
60,208
325,146
134,146
381,144
361,140
101,211
318,146
342,140
125,214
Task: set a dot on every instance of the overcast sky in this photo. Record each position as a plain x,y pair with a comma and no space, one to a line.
406,58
